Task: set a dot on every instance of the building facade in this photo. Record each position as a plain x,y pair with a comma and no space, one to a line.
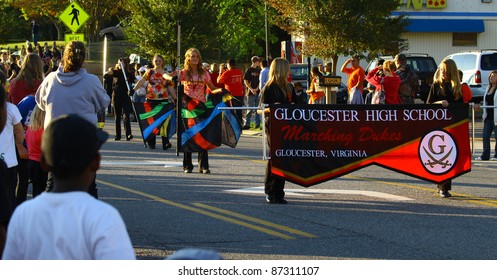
443,27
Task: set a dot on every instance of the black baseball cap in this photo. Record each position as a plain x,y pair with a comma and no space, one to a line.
70,143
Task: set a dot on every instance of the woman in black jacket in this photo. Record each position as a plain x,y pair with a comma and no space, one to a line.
276,91
445,89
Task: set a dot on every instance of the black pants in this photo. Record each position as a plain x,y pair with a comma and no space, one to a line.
122,108
273,186
445,186
38,177
237,101
203,160
11,185
488,127
22,180
151,143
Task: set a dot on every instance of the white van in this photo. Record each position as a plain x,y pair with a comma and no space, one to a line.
476,65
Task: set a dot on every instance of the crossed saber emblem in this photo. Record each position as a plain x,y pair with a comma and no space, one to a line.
439,161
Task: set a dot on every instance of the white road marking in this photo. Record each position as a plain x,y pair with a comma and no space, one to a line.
260,190
308,192
146,162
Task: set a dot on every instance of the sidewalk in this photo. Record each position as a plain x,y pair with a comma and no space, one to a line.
252,132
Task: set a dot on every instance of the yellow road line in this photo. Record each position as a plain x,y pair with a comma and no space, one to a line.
256,220
199,211
456,196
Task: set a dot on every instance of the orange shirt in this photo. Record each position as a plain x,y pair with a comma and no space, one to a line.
356,75
466,93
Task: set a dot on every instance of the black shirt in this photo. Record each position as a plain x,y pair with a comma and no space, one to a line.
252,75
489,101
436,93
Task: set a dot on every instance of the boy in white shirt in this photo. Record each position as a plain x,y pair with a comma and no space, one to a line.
68,223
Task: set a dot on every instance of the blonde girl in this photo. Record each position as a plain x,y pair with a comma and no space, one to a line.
277,91
446,89
195,81
34,132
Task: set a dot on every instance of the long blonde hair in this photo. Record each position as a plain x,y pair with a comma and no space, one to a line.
278,74
31,70
389,65
189,67
36,119
451,69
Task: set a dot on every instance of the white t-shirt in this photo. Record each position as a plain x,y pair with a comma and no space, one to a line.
67,226
8,144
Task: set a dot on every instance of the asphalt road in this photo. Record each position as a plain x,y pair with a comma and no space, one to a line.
373,213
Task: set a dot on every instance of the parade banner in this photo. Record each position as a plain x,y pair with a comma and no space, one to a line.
311,144
156,118
205,126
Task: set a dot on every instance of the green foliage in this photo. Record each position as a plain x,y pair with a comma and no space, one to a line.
219,29
342,27
242,27
97,9
154,27
11,17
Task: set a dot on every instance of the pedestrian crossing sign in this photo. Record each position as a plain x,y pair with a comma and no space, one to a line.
74,16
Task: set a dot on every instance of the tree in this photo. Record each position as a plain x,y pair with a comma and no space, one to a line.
99,10
96,9
154,27
241,25
341,27
11,17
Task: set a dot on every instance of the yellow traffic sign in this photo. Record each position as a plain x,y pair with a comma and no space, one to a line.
74,37
74,16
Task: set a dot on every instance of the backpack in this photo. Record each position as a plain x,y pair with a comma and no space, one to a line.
379,94
409,79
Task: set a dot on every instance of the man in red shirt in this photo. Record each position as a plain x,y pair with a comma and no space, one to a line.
232,78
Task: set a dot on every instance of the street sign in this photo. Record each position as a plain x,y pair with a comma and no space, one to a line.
74,16
74,37
327,81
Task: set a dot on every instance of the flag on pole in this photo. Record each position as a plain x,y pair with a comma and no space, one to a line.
205,126
156,117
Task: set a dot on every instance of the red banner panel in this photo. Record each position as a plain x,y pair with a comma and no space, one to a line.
311,144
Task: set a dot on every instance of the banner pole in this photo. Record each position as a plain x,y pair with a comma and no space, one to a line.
132,104
264,136
104,62
179,94
472,128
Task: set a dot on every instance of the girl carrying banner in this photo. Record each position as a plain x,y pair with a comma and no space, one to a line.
446,89
277,91
158,90
195,80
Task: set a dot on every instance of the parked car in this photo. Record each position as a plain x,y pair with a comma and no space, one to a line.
146,61
300,73
424,66
113,32
136,58
476,66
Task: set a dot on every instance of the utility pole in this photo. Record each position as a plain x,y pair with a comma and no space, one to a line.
267,30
